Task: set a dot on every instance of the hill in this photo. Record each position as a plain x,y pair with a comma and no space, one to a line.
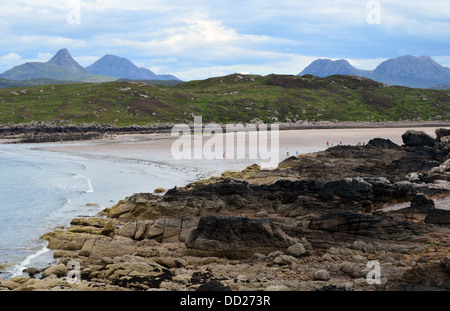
230,99
410,71
5,83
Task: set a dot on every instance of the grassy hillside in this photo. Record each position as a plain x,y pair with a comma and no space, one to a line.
233,98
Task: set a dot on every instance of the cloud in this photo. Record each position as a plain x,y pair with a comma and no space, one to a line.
14,59
213,37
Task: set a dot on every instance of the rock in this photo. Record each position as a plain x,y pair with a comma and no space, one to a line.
98,249
108,229
355,270
237,236
321,275
446,264
444,167
382,143
418,210
296,250
438,216
58,270
90,222
412,177
283,259
33,271
171,228
442,132
213,286
258,256
421,203
417,139
333,288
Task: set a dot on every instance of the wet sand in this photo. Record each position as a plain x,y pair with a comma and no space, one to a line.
156,148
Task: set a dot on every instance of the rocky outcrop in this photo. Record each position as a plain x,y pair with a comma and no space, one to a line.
39,132
313,223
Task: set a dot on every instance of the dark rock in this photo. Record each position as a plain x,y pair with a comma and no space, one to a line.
333,288
438,216
237,236
344,222
420,203
213,286
442,132
140,282
349,225
382,143
446,264
417,139
33,271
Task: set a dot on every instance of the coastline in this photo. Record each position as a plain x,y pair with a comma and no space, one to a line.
122,147
41,132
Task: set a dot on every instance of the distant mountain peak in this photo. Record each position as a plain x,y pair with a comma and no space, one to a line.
60,67
327,67
63,58
407,70
122,68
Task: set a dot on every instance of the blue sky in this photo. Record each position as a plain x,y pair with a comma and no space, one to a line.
204,38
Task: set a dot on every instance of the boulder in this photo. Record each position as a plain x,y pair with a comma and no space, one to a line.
417,139
58,270
321,275
296,250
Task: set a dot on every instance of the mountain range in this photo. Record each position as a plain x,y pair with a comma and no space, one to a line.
409,71
63,67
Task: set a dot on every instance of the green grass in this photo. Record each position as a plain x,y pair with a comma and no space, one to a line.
230,99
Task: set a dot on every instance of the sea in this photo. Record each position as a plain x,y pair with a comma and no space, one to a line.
43,190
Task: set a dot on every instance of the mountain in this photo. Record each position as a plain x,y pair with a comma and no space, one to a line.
327,67
122,68
410,71
64,59
61,67
441,87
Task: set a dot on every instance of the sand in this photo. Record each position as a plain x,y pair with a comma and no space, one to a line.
157,147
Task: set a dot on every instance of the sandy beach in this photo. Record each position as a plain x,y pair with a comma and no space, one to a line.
156,148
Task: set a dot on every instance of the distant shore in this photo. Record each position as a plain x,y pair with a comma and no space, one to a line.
38,132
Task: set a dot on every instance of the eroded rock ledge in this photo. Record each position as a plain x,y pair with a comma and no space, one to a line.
311,224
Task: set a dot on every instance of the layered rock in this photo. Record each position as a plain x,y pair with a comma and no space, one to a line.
237,237
311,224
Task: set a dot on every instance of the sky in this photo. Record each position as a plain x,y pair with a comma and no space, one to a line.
206,38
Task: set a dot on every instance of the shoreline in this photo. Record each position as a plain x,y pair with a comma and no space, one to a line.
51,132
122,147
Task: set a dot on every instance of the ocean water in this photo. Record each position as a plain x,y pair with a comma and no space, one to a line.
41,190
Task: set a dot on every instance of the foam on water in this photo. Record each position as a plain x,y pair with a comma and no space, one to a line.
41,190
18,269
